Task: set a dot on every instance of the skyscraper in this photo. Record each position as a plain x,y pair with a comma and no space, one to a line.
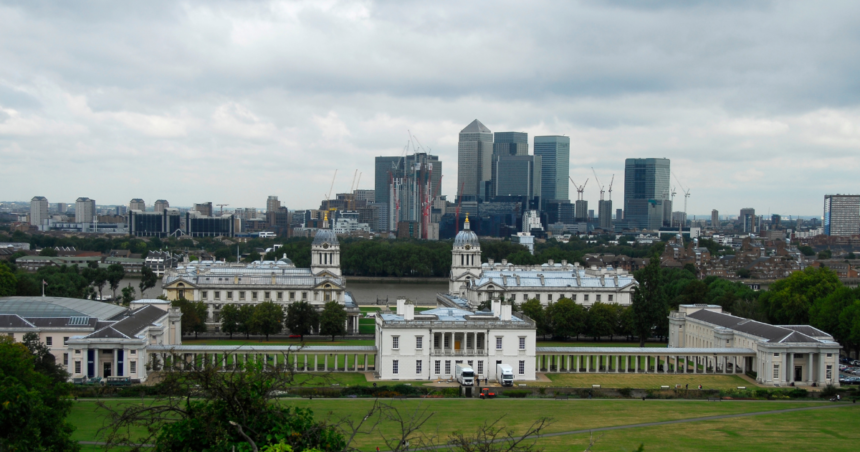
554,151
646,187
85,210
272,204
747,220
205,208
385,169
510,143
474,162
517,175
715,219
137,204
581,213
38,210
841,215
160,205
604,213
619,214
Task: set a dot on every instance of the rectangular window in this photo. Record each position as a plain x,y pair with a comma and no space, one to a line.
418,367
498,343
66,359
776,354
203,294
447,341
49,341
438,367
776,371
470,363
610,297
419,342
241,294
447,367
549,297
598,297
292,296
525,297
585,297
132,367
77,352
830,355
65,341
537,297
254,295
280,296
132,352
573,297
229,295
522,343
480,367
522,368
829,373
217,295
304,295
77,367
266,296
395,366
395,342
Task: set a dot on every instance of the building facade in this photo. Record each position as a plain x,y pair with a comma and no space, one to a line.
85,210
137,204
154,224
160,205
787,355
554,151
841,215
517,175
646,192
38,210
474,162
604,214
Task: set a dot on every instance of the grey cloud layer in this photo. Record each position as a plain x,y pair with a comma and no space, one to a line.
755,102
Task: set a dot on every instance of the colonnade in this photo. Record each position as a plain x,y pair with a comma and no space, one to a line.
640,363
299,362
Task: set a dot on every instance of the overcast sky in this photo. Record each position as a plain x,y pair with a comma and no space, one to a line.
756,103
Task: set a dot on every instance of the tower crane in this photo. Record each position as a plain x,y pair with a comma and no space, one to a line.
686,193
579,189
222,207
598,183
330,188
610,186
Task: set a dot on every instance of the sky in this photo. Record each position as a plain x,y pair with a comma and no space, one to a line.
756,103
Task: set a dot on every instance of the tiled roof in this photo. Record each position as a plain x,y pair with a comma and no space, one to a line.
14,321
770,332
138,320
107,333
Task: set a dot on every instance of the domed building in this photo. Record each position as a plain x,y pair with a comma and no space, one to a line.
219,283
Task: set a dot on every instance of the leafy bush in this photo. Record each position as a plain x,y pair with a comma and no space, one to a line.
516,393
625,392
829,391
798,393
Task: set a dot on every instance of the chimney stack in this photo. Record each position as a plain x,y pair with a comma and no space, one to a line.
400,303
408,311
497,306
506,310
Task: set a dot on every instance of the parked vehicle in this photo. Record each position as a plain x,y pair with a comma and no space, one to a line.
465,375
505,374
487,393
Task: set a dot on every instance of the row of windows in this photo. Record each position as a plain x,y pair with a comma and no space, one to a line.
132,365
267,296
49,341
419,342
549,297
437,366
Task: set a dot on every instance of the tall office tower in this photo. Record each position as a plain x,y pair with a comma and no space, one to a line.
368,196
748,220
160,205
62,207
517,175
554,151
137,204
272,204
646,186
715,219
619,214
604,213
205,208
38,210
667,212
841,214
85,210
510,143
474,162
386,168
413,189
581,212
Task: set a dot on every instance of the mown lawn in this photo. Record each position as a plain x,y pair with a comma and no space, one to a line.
812,430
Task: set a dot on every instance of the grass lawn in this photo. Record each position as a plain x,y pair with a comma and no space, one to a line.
829,428
644,381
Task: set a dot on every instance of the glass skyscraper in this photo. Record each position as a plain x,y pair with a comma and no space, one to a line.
554,151
474,162
646,187
510,143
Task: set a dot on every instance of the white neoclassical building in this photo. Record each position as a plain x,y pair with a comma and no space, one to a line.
474,282
92,338
781,355
220,283
428,345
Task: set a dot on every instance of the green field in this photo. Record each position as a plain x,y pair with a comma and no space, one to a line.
829,429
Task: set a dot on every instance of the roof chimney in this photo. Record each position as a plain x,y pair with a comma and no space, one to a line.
408,310
506,310
400,303
497,306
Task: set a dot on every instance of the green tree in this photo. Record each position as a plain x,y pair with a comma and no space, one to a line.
333,320
34,407
148,279
826,254
625,322
743,273
99,278
788,301
193,317
230,319
127,295
8,281
535,311
849,325
600,320
649,301
302,318
246,320
566,317
268,318
806,250
115,274
50,252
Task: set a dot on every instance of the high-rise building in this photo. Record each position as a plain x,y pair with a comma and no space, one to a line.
554,151
153,224
62,207
38,210
413,189
474,162
841,214
85,210
715,219
747,220
604,213
160,205
517,175
619,214
369,196
646,187
272,204
137,204
581,212
386,168
205,208
198,225
510,143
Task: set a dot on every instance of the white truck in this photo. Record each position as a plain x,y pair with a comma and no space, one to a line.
505,374
465,375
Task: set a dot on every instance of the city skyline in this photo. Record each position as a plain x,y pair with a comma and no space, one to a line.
749,115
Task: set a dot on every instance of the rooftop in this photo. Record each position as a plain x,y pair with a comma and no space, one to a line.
58,307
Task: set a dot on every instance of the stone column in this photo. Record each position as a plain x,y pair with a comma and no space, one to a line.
587,363
789,367
355,363
616,363
637,364
810,373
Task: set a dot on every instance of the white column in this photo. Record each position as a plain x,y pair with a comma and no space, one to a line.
616,363
810,372
789,367
587,363
636,363
355,363
325,361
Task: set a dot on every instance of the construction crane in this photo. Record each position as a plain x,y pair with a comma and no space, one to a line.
686,193
331,187
579,189
222,207
598,183
610,186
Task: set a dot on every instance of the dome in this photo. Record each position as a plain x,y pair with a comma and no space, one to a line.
466,237
325,236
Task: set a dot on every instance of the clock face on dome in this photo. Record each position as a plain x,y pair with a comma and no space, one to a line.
325,245
468,247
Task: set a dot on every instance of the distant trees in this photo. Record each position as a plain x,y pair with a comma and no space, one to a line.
230,319
601,320
115,273
650,308
49,252
148,279
333,320
302,318
268,319
194,315
8,281
566,318
789,300
127,295
246,320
